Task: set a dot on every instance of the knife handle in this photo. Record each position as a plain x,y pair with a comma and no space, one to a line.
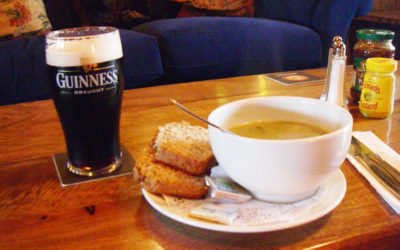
385,167
382,177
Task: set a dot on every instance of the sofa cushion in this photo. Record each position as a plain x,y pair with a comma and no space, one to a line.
117,13
198,48
61,14
22,18
23,75
300,11
75,13
141,63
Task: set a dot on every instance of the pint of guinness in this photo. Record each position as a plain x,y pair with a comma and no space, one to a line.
87,84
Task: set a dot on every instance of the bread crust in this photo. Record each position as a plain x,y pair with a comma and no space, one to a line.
159,178
184,147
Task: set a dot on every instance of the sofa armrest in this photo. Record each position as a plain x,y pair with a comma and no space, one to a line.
333,18
328,18
23,75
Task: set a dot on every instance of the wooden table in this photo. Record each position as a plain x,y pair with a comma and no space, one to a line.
36,212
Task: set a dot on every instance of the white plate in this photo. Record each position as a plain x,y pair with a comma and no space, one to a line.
329,195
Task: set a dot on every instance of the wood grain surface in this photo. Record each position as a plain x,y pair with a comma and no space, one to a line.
37,213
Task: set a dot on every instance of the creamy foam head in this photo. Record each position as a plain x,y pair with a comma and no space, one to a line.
75,47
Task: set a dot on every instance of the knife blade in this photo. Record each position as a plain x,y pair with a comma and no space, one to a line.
386,174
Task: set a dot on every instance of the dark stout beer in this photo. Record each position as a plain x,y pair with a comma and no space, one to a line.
87,84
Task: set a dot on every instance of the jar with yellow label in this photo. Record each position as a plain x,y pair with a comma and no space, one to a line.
377,94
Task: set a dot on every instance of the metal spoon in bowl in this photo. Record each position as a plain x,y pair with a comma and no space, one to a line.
198,117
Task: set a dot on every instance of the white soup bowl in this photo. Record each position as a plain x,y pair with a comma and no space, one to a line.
281,170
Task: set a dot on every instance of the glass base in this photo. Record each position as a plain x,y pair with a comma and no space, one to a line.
67,178
86,171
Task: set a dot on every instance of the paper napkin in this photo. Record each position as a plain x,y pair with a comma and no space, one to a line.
385,152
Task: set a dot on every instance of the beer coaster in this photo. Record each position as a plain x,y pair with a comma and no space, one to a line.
295,77
67,178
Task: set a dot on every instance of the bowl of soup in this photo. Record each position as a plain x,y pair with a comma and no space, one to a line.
280,148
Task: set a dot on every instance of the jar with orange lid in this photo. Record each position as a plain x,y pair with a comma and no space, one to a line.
377,94
370,43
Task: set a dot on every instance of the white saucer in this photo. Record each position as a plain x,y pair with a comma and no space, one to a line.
328,196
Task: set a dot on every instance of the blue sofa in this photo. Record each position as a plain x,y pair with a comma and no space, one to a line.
283,35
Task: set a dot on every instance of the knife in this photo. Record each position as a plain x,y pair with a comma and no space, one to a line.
386,174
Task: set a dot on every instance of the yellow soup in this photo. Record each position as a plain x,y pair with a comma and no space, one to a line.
280,130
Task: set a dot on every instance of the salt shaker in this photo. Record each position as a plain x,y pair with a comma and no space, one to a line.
334,85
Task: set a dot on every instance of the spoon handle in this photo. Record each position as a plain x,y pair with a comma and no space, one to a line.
196,116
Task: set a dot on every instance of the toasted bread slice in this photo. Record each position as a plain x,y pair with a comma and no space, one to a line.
184,147
158,178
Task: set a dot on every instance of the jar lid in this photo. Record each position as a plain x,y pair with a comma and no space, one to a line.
375,34
381,65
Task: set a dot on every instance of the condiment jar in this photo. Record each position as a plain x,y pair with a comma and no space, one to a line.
370,43
377,94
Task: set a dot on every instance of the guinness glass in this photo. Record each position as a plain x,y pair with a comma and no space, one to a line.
87,83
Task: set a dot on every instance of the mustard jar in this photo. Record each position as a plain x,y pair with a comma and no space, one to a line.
370,43
377,94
